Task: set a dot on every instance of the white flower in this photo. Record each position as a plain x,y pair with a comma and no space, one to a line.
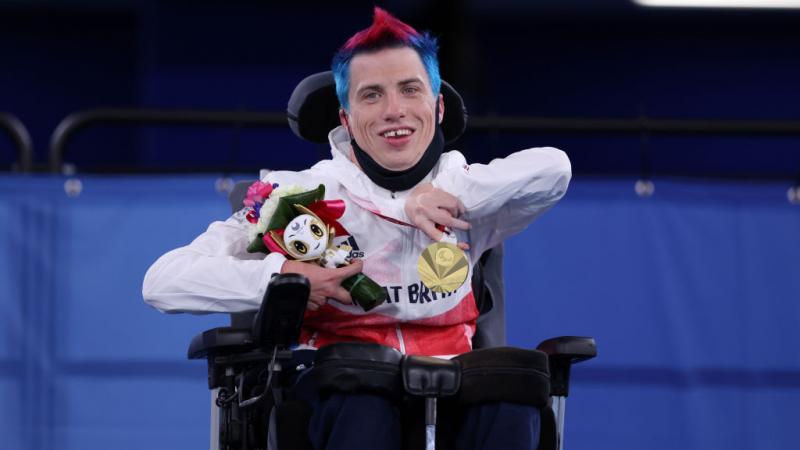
269,206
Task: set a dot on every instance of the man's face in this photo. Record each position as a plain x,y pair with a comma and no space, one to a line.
392,109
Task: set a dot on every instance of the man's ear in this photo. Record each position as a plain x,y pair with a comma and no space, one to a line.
343,120
441,108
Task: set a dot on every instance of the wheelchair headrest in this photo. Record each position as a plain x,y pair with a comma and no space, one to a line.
313,109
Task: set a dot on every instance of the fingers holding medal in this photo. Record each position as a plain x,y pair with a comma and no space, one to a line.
443,267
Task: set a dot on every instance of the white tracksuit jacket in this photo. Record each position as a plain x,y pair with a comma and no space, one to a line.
216,274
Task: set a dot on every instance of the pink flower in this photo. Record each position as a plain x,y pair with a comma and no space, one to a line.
256,193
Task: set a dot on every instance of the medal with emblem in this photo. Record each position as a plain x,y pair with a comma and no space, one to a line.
443,267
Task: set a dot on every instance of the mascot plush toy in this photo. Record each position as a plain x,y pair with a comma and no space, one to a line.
302,226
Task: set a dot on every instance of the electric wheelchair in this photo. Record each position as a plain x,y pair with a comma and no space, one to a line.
252,366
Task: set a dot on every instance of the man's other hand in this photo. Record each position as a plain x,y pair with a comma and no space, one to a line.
325,283
428,206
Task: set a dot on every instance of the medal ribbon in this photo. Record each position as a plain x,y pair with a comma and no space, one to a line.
441,228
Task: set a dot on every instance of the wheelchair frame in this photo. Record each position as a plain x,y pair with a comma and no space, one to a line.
238,354
240,378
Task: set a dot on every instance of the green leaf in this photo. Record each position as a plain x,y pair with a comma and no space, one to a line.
285,211
257,245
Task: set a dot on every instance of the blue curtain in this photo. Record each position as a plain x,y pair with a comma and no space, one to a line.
693,296
86,364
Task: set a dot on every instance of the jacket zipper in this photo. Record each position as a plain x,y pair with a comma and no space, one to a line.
400,338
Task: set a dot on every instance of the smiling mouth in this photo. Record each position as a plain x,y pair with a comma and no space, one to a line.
403,132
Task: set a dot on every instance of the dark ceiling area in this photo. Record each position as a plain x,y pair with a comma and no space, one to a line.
659,71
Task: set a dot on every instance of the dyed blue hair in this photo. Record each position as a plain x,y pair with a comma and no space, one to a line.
385,32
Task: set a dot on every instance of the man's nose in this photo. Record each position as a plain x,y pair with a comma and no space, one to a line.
394,108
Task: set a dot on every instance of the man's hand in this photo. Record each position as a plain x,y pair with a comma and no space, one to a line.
427,206
325,283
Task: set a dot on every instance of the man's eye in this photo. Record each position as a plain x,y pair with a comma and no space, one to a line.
372,96
410,90
300,247
316,230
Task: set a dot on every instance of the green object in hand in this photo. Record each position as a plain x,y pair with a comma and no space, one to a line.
365,292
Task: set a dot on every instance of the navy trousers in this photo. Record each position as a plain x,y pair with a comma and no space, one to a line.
374,422
366,421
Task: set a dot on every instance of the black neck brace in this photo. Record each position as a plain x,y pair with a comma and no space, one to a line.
401,180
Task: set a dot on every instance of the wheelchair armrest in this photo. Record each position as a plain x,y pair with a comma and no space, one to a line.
220,340
562,352
277,322
574,348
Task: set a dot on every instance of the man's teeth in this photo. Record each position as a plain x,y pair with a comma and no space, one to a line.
395,133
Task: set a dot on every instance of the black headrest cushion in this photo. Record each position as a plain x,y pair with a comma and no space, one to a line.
313,109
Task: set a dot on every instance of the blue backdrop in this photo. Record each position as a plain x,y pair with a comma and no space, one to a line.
692,296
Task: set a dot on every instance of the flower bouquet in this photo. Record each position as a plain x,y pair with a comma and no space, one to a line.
300,225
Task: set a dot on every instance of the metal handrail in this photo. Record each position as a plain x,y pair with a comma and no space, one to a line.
640,125
81,119
22,140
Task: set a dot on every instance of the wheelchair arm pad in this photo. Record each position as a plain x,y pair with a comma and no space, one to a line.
358,367
562,353
572,348
220,340
504,374
425,376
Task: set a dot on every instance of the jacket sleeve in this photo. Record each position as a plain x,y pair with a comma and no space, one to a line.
503,197
212,274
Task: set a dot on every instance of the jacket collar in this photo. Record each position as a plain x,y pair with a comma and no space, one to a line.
361,189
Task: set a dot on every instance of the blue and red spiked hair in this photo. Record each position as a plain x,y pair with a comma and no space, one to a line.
386,31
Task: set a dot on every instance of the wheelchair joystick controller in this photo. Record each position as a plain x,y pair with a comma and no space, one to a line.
276,326
428,377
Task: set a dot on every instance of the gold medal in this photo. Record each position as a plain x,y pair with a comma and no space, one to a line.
443,267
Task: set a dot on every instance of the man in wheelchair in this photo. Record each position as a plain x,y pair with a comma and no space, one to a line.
399,198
